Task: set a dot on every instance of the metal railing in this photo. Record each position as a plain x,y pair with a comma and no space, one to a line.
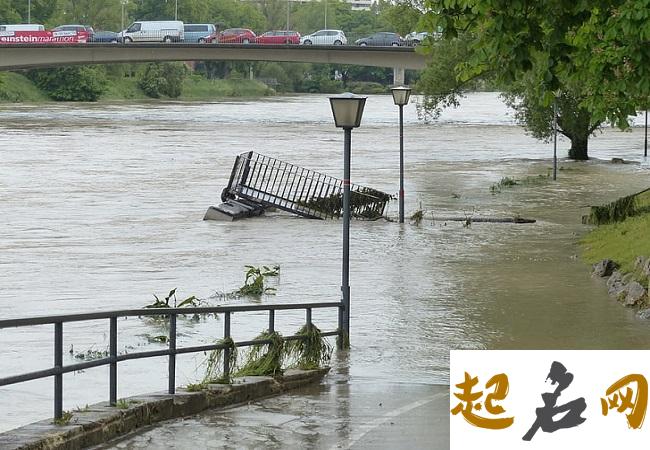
301,191
114,358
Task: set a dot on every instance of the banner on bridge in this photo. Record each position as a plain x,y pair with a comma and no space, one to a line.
43,37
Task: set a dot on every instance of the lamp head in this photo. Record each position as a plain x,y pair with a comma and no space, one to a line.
401,95
347,110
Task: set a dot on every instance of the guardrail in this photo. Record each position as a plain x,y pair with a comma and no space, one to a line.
113,359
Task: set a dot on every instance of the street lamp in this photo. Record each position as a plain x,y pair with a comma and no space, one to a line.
29,11
555,138
347,110
401,97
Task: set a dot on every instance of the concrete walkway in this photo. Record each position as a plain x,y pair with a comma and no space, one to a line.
340,413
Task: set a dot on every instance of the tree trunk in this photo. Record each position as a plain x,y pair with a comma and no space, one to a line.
578,150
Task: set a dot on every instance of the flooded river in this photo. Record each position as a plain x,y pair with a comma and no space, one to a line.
102,207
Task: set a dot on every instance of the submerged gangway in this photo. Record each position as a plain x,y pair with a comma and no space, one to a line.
258,182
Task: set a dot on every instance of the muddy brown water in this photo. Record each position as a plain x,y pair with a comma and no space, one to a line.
102,207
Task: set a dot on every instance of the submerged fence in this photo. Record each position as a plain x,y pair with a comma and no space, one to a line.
113,358
301,191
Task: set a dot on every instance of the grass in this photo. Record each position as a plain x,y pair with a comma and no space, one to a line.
16,88
621,242
65,419
529,180
125,404
199,88
264,359
621,209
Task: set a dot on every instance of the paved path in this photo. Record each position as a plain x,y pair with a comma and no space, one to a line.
341,413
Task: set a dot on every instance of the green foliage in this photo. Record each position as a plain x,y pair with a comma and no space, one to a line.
71,83
508,182
125,403
162,79
214,373
311,352
621,209
592,49
65,419
254,284
191,301
264,359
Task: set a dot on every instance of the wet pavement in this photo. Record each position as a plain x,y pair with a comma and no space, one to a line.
341,413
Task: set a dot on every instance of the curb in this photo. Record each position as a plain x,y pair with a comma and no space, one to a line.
100,423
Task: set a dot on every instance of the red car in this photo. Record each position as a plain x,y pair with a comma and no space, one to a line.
232,36
279,37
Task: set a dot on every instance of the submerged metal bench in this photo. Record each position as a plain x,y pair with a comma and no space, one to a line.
258,182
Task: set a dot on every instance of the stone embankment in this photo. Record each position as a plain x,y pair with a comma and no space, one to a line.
99,423
630,289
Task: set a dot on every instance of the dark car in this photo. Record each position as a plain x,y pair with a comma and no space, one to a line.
110,37
382,39
232,36
279,37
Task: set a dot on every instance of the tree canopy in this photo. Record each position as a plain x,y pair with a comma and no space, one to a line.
595,49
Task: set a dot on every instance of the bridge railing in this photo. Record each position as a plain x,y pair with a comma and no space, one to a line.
295,189
171,351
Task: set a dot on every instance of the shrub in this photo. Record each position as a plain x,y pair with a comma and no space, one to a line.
72,83
162,79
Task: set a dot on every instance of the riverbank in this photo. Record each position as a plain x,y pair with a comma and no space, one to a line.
17,88
619,248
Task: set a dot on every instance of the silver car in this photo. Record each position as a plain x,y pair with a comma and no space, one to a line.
325,37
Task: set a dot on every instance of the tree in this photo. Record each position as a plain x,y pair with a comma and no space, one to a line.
8,14
402,17
72,83
512,41
573,121
42,11
158,79
99,14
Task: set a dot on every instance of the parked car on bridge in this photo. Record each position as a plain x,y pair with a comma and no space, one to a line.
198,32
325,37
77,29
234,36
22,27
279,37
415,38
106,37
381,39
154,31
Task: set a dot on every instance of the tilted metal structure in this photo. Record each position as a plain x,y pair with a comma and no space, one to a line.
270,182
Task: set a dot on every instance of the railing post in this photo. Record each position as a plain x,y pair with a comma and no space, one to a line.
271,321
58,363
112,397
172,355
226,351
308,318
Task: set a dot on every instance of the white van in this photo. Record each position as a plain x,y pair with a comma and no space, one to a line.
22,27
153,31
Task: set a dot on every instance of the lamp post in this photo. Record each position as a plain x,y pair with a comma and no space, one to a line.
176,11
401,97
29,11
555,139
123,7
347,110
645,144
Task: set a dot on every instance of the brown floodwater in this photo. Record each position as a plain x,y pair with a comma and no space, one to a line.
102,207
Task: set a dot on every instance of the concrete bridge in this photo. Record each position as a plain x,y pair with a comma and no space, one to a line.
29,56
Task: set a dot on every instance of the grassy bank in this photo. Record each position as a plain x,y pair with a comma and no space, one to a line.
621,242
16,88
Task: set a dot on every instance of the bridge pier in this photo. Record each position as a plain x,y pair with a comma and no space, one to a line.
398,76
